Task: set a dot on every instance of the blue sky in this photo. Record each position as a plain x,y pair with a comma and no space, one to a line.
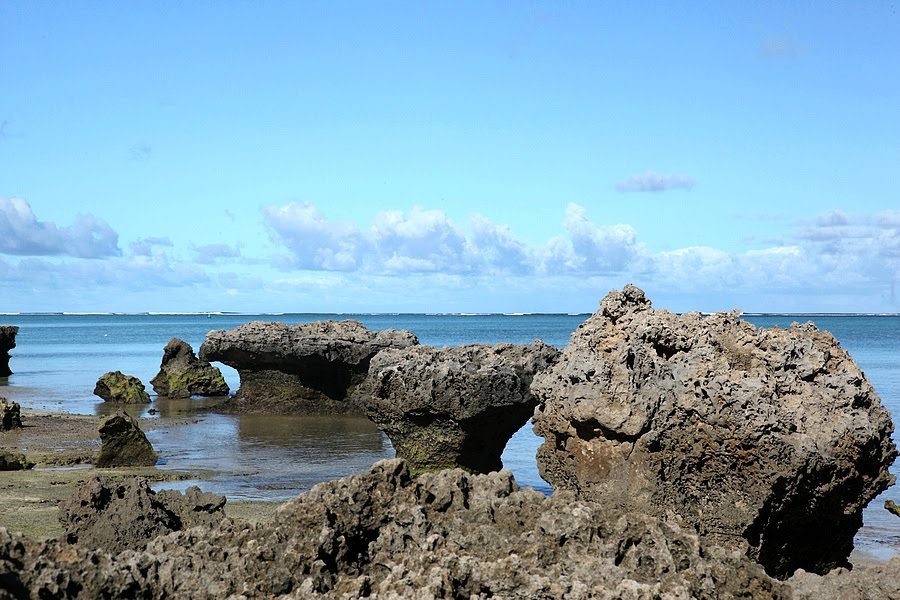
448,156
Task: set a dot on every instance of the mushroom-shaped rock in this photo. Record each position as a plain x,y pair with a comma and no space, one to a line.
182,374
770,440
456,406
123,444
7,343
113,516
10,415
115,386
306,368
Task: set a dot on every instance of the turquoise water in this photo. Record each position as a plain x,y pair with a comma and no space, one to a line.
58,359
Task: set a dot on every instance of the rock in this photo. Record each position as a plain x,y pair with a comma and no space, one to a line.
306,368
770,440
182,374
7,343
14,462
115,386
123,443
125,515
10,415
384,534
875,582
892,507
453,407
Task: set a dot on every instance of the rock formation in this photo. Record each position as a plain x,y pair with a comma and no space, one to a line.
384,534
115,386
875,582
123,444
10,415
14,462
453,407
307,368
124,515
182,374
771,440
7,343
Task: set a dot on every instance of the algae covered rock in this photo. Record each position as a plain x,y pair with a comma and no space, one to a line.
115,386
7,343
182,374
769,440
10,415
304,369
123,444
453,407
10,461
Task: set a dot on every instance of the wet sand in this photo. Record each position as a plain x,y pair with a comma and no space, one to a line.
62,446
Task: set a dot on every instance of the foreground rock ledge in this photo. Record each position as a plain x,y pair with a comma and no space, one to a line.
384,534
453,407
769,440
306,368
7,343
182,374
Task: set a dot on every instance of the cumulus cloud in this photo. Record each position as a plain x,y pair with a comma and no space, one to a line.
422,240
591,248
211,253
22,234
314,241
147,246
655,182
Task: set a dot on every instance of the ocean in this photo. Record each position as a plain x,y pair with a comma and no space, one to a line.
59,357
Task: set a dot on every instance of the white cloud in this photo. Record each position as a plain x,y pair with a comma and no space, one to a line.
656,182
421,241
315,242
591,248
211,253
21,234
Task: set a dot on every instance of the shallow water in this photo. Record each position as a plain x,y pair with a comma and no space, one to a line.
59,358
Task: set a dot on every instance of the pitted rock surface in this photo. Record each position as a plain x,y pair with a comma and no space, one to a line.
771,440
10,415
456,406
305,368
7,343
384,534
116,386
123,444
182,374
125,515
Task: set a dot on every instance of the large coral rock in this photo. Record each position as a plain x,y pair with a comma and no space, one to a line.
306,368
115,386
123,444
182,374
384,534
7,343
10,415
120,515
768,439
873,582
453,407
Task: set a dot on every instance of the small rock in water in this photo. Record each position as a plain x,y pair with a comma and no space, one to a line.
115,386
892,507
182,374
7,342
123,443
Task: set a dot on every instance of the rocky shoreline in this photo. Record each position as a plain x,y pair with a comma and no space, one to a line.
692,456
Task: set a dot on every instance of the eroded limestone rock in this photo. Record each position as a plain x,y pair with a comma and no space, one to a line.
125,515
123,444
115,386
770,440
384,534
10,415
7,343
306,368
182,374
455,406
